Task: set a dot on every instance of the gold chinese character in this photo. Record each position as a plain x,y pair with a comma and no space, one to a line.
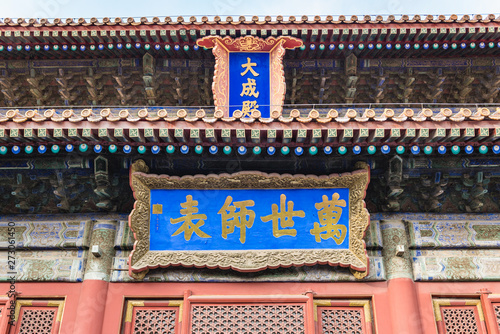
248,108
190,214
283,219
242,219
329,214
249,67
249,88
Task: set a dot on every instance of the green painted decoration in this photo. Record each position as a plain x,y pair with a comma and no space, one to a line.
83,147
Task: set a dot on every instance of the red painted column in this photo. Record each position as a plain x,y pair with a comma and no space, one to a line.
92,303
403,301
489,315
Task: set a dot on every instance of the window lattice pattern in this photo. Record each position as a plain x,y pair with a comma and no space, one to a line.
497,313
340,321
460,321
37,321
248,319
154,321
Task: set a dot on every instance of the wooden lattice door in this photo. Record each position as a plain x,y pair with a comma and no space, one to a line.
459,316
343,316
152,317
37,316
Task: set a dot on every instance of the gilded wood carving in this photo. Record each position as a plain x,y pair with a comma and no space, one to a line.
221,49
142,258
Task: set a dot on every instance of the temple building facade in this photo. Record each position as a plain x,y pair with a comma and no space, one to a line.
323,174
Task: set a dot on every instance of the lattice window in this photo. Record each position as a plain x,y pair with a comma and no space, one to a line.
247,319
459,316
338,320
496,308
458,320
152,317
343,316
4,311
37,321
38,316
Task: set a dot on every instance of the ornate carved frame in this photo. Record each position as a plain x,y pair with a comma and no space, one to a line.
221,49
142,259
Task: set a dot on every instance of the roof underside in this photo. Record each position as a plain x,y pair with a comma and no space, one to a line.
311,83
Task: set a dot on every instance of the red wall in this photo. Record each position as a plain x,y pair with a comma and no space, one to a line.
386,306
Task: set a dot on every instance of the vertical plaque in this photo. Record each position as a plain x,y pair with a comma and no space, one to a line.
249,79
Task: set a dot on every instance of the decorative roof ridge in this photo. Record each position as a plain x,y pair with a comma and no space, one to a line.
339,115
242,20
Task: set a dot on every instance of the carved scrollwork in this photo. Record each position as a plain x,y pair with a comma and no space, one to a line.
276,47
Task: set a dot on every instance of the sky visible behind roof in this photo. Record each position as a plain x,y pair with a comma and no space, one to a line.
149,8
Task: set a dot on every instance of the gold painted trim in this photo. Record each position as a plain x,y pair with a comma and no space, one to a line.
60,308
129,313
318,303
58,303
19,304
142,259
437,303
366,307
322,302
365,303
477,303
178,303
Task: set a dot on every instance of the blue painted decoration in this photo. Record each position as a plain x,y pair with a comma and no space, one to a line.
213,149
249,219
242,150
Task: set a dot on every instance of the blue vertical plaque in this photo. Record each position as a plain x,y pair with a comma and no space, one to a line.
249,83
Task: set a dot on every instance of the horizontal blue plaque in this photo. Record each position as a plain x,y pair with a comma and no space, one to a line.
249,219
